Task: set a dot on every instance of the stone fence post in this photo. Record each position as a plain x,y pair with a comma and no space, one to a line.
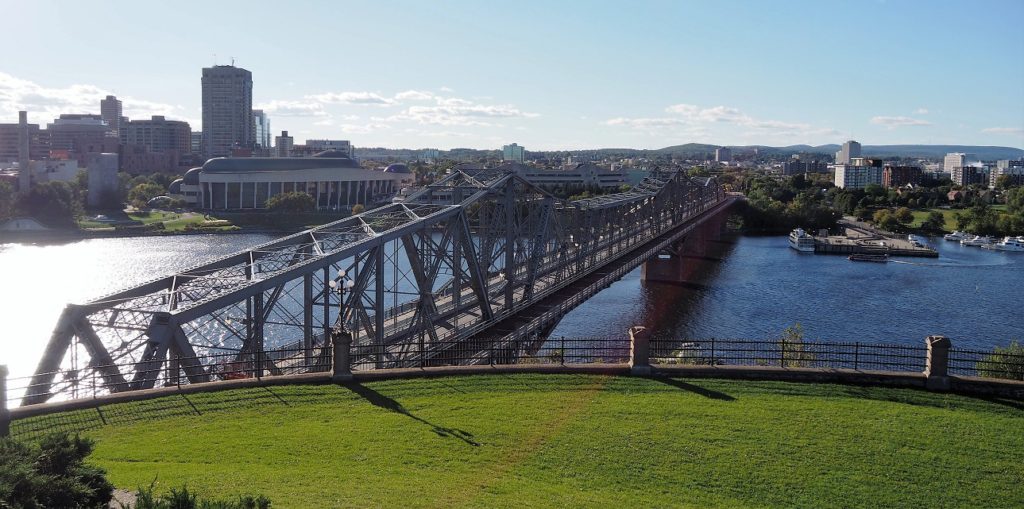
639,351
341,343
5,414
936,367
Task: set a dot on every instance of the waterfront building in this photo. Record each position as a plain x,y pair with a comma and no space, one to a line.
1012,167
954,160
723,155
80,135
513,153
227,110
333,179
160,135
898,176
39,142
110,111
859,174
261,129
283,145
850,150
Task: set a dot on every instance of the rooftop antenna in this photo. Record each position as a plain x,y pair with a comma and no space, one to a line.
232,61
215,59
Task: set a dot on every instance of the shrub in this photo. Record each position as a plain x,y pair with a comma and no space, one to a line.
51,473
793,349
182,498
1004,362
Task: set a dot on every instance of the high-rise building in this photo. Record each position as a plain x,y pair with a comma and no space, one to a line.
283,145
953,161
261,124
897,176
160,135
850,150
968,175
1011,167
723,155
513,152
196,144
227,110
110,111
859,174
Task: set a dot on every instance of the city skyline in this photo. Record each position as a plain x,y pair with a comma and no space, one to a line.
552,77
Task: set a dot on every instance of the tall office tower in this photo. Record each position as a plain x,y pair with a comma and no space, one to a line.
850,150
513,152
723,155
261,124
954,160
110,111
284,144
227,110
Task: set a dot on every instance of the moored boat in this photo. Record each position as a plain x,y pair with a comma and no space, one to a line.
956,236
1015,244
801,241
976,241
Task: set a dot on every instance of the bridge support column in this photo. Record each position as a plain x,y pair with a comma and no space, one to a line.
936,366
5,414
639,351
341,342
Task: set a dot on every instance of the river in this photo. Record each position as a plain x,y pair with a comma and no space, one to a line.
752,287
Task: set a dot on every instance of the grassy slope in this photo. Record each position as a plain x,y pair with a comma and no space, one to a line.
572,440
948,214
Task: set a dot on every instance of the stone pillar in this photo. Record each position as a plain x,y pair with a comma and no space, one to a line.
5,414
936,367
341,342
639,351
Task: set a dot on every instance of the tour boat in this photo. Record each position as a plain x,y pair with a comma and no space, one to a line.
956,236
1007,244
801,241
865,257
976,241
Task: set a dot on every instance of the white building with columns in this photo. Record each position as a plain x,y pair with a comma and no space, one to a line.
334,182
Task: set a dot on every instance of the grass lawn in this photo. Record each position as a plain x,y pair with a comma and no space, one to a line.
569,441
947,214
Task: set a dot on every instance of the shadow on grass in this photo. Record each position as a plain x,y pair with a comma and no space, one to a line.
379,400
707,393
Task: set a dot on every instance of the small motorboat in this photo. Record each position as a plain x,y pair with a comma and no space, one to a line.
866,257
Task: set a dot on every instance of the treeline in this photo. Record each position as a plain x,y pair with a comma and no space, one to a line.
779,205
983,219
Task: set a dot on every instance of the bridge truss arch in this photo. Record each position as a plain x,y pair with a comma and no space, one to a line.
446,264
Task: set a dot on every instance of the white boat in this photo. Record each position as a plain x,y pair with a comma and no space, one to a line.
976,241
956,236
1007,244
801,241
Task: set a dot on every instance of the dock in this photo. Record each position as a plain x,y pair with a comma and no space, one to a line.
862,239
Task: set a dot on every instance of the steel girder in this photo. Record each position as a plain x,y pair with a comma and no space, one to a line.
449,262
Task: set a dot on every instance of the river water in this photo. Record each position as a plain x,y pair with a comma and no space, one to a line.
747,287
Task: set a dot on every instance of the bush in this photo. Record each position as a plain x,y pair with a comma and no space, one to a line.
793,349
291,202
184,499
51,473
1004,362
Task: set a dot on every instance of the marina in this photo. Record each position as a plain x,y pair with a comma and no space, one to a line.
860,239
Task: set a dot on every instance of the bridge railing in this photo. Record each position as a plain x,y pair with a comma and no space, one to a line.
788,354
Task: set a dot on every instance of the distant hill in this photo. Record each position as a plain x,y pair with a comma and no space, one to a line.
985,153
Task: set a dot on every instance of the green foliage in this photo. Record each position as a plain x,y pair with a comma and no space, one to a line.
53,203
143,192
1015,200
1004,362
296,201
52,473
794,350
904,215
358,208
935,222
886,220
6,200
182,498
780,205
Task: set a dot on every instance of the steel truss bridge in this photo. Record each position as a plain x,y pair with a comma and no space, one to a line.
441,269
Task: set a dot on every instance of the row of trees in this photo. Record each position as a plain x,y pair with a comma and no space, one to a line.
982,219
775,205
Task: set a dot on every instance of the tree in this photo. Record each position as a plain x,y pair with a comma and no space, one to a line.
6,200
1003,362
52,473
142,193
358,209
935,222
297,201
54,203
904,215
885,220
1015,200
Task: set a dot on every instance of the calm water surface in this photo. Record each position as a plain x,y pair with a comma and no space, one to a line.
748,287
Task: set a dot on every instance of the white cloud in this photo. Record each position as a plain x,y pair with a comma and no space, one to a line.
361,128
694,120
1004,130
894,122
368,98
446,89
450,111
45,103
413,95
645,123
921,111
281,108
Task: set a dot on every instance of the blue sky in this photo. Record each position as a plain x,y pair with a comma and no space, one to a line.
547,75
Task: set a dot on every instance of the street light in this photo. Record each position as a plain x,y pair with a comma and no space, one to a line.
341,340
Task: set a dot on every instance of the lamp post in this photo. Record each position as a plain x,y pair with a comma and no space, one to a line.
341,340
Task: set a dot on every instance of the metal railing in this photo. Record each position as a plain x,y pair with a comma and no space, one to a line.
788,354
1006,363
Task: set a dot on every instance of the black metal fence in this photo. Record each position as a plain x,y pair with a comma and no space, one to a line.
1007,363
788,354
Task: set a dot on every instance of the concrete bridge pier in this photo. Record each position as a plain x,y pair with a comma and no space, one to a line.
681,262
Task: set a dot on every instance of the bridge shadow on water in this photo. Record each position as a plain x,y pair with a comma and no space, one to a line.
381,401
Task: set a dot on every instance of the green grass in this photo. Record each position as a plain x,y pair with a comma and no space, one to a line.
568,441
948,214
